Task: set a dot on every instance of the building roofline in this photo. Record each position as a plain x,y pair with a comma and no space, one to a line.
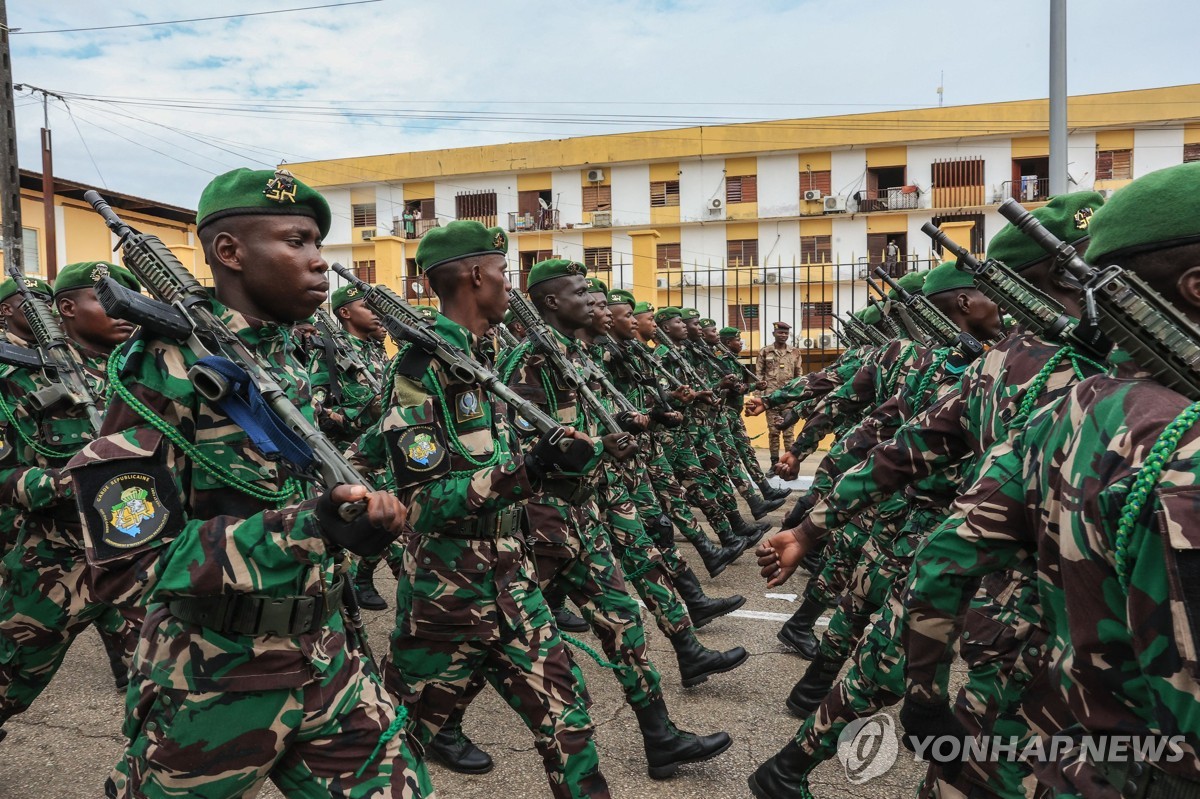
1013,118
63,187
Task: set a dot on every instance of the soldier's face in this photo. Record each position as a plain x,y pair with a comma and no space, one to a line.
283,272
624,323
675,328
361,321
575,304
646,326
710,334
781,335
493,287
14,317
88,323
601,314
734,344
693,329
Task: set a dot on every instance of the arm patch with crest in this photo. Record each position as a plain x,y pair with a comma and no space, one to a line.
127,505
418,454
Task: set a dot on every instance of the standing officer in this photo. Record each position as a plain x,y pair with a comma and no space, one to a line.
777,366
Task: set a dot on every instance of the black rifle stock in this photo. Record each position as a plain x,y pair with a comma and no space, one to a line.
172,284
916,331
931,317
1131,313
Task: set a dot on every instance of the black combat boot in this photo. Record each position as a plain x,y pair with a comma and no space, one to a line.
812,562
797,632
745,529
701,608
668,747
116,661
773,492
453,749
760,507
564,620
697,663
364,588
716,558
813,686
784,776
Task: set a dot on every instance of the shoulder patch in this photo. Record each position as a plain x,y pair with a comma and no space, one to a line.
408,393
126,505
418,453
468,406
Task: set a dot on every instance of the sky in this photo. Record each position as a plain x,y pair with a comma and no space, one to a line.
157,111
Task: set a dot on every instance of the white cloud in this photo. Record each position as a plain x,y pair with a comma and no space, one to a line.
692,60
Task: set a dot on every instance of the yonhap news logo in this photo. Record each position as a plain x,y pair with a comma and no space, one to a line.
867,748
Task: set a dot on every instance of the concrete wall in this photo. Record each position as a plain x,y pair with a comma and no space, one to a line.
1156,148
778,186
631,195
700,182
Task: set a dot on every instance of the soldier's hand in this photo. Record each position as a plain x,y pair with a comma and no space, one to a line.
683,394
755,406
780,556
619,445
707,396
788,466
384,509
564,450
381,521
923,719
761,385
727,382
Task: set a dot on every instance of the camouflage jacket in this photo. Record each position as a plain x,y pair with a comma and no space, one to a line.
348,408
36,445
963,424
456,463
176,502
812,387
1118,586
777,367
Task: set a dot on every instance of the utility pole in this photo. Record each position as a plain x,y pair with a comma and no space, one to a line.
51,234
1058,97
10,178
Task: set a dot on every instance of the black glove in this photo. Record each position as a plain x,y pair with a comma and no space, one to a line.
358,535
661,530
555,453
927,719
627,421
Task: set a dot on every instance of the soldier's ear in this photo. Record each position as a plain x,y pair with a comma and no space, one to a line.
1189,290
66,307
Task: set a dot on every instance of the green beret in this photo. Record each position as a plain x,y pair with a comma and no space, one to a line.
1154,212
688,313
729,332
597,286
1067,216
946,276
344,296
39,286
912,282
869,315
642,307
84,276
621,297
554,268
708,322
427,311
463,238
244,192
670,312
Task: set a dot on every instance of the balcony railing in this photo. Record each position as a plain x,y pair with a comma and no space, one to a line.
896,198
411,228
543,219
1026,190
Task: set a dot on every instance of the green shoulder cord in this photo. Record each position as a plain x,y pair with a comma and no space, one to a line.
893,378
926,382
1043,377
1147,478
290,487
592,653
41,449
388,735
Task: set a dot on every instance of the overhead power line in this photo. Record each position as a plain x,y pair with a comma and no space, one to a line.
194,19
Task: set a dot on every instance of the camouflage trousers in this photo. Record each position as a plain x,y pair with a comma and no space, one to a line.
774,434
529,665
585,569
669,496
310,741
872,580
641,560
740,440
704,489
45,602
712,460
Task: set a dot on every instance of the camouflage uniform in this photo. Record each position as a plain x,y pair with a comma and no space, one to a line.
777,367
348,408
47,597
210,529
468,601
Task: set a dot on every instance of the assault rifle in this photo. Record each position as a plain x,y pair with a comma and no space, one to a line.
931,317
847,335
1029,305
506,336
871,335
890,328
1132,314
342,353
915,331
749,375
545,342
681,363
643,355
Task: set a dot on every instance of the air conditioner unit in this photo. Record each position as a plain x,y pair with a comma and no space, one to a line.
812,195
602,219
662,283
715,203
772,277
595,175
808,343
826,341
834,203
367,235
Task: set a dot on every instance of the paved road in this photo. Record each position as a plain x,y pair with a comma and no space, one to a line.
67,742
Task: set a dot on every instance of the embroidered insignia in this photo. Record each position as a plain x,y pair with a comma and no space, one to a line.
421,450
101,271
574,268
499,241
352,291
523,424
131,509
281,187
1083,218
469,406
319,395
31,283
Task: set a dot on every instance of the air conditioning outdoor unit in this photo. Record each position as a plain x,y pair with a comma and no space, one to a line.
812,195
602,219
772,277
834,203
595,175
826,341
715,203
808,343
367,235
662,283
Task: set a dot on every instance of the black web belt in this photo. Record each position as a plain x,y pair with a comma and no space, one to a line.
256,615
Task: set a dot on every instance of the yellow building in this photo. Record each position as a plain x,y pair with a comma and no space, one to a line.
80,233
